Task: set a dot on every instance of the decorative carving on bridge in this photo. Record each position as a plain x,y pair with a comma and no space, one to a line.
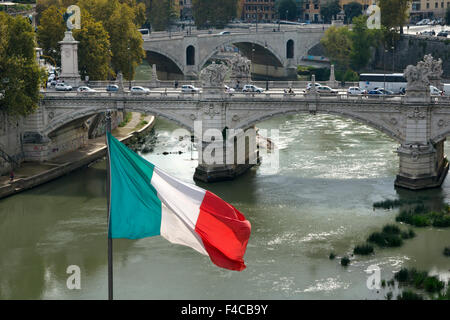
213,75
423,74
416,114
211,110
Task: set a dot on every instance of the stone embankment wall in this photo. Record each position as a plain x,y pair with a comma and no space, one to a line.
409,50
66,139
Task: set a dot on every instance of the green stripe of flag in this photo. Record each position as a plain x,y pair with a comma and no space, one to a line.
135,209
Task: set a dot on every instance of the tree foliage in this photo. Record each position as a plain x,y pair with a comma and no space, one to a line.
289,7
109,39
338,46
214,13
352,9
94,52
161,13
20,75
349,49
330,9
394,13
447,16
50,32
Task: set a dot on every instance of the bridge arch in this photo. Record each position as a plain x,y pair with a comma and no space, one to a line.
290,49
190,55
75,115
276,58
164,61
247,123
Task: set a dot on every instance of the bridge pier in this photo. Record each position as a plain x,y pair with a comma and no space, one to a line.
421,166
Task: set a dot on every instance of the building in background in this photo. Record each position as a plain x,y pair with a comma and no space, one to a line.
259,10
422,9
186,10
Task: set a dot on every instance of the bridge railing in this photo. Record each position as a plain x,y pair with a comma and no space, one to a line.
276,96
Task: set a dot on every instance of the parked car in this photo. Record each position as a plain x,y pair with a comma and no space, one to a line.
428,33
85,89
61,86
423,22
326,90
443,34
112,88
228,89
308,87
252,88
356,90
447,89
435,91
380,91
224,32
139,90
189,88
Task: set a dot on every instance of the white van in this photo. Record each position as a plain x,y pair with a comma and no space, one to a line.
446,89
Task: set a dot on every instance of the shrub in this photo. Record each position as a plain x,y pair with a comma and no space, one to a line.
363,249
332,256
433,284
447,251
409,295
391,228
345,261
408,234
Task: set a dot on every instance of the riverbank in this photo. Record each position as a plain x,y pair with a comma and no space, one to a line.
32,174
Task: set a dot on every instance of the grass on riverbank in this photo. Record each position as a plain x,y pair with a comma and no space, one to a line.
425,219
126,119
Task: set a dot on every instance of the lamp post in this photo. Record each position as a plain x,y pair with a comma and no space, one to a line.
393,58
257,17
384,67
267,70
129,62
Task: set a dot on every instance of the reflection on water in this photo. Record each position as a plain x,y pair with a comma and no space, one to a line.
331,172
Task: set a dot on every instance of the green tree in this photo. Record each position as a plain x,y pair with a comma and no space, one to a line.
161,13
353,9
338,46
214,13
394,14
447,16
289,7
362,41
94,52
119,20
50,32
20,75
330,9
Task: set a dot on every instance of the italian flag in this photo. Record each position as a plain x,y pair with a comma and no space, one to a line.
145,201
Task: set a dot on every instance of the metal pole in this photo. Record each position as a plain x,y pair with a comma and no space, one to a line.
108,197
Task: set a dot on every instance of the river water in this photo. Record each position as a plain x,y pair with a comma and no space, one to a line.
320,201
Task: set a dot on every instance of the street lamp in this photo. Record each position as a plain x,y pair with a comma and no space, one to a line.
384,67
267,70
393,58
129,62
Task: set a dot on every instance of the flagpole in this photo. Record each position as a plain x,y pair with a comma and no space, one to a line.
108,197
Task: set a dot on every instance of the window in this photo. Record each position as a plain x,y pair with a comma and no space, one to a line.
290,49
190,56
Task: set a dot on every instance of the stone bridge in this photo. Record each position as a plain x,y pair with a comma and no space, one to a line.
278,51
420,126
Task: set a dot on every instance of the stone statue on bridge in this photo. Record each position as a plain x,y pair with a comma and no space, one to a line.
213,76
240,70
419,77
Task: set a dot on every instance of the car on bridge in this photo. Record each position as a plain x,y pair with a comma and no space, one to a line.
326,90
380,91
139,90
85,89
112,88
189,88
443,34
308,87
356,90
63,87
224,32
435,91
228,89
252,88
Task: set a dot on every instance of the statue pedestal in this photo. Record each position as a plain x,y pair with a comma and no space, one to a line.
69,60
